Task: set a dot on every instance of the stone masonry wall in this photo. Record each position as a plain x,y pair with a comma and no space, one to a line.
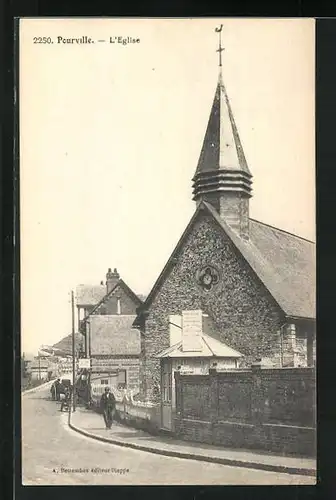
246,316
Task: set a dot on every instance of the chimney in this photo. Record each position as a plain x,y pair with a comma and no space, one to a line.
112,279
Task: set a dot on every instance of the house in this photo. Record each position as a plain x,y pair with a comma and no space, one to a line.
39,369
115,297
255,282
110,341
115,351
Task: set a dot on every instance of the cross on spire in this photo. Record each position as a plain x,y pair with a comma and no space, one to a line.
220,48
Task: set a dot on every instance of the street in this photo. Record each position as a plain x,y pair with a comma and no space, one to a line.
50,450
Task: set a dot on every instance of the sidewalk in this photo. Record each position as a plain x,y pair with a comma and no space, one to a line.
91,424
38,387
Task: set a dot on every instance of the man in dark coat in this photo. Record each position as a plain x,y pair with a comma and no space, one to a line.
107,406
53,391
57,389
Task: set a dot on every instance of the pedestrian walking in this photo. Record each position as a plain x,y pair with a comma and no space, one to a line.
53,391
57,389
107,406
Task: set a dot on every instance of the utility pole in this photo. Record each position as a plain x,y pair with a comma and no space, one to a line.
73,352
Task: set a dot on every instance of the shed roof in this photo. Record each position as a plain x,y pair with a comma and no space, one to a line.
210,348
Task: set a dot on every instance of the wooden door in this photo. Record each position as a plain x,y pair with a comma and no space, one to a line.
166,394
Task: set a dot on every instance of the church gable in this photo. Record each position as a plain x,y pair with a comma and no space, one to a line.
207,272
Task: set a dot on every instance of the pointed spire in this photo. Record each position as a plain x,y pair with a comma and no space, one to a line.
222,171
222,147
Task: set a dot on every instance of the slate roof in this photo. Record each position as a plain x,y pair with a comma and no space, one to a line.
284,263
89,295
65,344
222,147
292,261
210,347
114,335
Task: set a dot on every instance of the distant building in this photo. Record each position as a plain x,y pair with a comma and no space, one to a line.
115,297
108,337
115,351
39,369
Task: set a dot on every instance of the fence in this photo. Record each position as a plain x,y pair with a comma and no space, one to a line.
97,390
136,414
270,409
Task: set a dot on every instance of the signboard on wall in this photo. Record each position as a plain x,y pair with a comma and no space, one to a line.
112,364
192,331
84,363
194,370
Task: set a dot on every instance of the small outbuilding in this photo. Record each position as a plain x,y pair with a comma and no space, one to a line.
194,354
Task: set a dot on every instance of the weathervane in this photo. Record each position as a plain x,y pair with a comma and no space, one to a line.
220,48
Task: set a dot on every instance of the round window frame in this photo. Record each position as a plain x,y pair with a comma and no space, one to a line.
202,272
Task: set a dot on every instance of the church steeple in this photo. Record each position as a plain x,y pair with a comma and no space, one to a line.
222,177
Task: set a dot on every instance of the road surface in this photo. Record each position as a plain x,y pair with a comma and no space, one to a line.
53,454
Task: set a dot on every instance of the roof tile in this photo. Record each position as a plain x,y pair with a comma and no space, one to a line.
114,335
89,295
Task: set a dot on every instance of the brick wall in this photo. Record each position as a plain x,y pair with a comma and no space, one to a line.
245,315
110,306
270,409
234,209
101,365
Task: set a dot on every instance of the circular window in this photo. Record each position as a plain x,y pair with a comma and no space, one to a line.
207,277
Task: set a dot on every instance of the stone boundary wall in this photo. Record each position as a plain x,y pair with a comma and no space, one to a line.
266,409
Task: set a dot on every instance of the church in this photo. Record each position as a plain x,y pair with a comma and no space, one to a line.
255,282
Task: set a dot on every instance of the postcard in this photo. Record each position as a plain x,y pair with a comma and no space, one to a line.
167,211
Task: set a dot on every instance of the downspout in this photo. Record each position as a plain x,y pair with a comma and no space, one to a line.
281,343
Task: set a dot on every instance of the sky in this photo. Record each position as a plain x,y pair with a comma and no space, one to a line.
110,136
